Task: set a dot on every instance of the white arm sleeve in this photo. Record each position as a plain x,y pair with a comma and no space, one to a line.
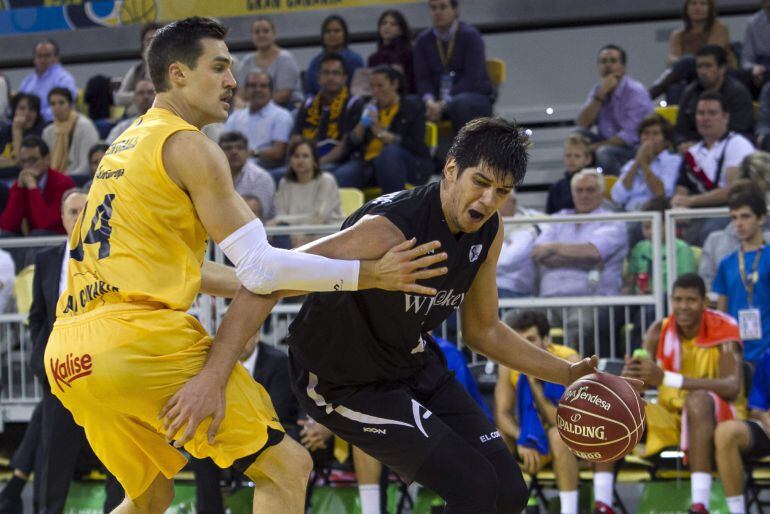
263,269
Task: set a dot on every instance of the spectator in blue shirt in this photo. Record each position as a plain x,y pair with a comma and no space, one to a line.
735,439
450,68
743,277
48,74
334,39
653,172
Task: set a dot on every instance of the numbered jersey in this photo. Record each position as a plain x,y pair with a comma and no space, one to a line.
139,238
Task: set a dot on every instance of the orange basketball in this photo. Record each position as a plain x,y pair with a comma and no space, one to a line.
600,417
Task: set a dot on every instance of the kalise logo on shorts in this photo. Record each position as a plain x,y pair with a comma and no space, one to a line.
69,369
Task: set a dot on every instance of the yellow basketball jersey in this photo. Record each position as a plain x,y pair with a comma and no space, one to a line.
139,238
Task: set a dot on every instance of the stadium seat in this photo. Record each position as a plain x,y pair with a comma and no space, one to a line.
696,253
22,289
351,199
669,112
431,136
609,181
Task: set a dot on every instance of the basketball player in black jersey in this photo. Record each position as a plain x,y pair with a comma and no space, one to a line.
363,363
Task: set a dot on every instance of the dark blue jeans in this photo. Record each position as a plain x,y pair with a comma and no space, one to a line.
390,170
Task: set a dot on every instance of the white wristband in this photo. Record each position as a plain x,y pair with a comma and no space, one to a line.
672,379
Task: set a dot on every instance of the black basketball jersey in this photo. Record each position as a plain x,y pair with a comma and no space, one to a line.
373,335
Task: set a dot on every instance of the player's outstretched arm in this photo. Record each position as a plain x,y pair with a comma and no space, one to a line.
484,332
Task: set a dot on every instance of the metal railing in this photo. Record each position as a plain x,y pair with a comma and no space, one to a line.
589,323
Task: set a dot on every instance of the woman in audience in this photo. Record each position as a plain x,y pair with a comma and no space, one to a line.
25,121
394,47
277,62
701,28
388,142
334,38
125,95
306,195
70,136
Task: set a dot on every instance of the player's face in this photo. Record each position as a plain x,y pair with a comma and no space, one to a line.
472,197
60,107
71,209
533,336
688,305
746,223
262,35
209,87
710,120
575,158
586,194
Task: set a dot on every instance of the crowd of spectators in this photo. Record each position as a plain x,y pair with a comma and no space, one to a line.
359,123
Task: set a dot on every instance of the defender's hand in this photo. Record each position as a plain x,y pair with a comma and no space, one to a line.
404,265
582,368
198,399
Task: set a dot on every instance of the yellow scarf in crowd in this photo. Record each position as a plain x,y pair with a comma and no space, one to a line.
315,115
63,130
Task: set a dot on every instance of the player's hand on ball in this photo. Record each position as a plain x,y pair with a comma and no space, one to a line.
197,400
582,368
405,264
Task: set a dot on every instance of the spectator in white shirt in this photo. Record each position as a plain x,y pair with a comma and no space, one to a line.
267,126
7,278
516,272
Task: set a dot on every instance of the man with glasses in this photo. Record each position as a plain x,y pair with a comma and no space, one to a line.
327,117
616,106
267,126
248,178
35,198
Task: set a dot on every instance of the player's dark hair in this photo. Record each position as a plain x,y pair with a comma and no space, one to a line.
493,143
751,199
233,137
713,96
33,141
290,173
179,41
98,147
690,281
528,319
61,91
618,49
716,51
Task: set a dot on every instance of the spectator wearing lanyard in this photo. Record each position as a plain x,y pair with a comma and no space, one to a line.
450,68
743,277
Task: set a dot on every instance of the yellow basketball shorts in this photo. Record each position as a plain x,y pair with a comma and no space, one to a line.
115,368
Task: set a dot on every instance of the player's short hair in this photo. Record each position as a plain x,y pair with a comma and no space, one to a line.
588,172
179,41
528,319
690,281
233,136
61,91
716,51
749,198
494,143
33,141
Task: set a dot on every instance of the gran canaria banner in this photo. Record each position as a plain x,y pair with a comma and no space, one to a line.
25,16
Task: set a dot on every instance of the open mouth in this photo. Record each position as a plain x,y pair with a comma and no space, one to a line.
475,215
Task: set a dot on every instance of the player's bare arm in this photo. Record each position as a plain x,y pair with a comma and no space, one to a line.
505,402
219,280
484,333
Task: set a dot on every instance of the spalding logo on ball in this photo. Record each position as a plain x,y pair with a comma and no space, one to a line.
600,417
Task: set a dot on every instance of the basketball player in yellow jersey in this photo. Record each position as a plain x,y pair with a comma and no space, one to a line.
124,355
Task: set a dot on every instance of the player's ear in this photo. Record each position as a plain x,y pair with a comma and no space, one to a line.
450,170
176,73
